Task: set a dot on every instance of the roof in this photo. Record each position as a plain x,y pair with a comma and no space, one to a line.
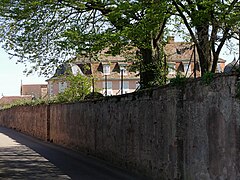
34,85
11,99
65,69
96,69
128,53
178,51
175,52
89,67
181,51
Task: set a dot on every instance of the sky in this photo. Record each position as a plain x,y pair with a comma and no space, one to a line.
11,74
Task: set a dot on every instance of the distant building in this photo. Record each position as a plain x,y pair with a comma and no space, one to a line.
180,59
110,77
34,90
113,75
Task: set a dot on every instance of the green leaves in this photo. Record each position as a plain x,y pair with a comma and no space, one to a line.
210,24
78,87
53,31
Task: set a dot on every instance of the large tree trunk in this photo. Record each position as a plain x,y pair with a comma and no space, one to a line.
148,68
203,48
215,61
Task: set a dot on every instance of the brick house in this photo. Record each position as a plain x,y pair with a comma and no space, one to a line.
34,90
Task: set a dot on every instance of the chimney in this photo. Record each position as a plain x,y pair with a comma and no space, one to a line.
170,39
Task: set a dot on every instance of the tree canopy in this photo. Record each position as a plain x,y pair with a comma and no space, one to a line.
49,32
78,87
210,24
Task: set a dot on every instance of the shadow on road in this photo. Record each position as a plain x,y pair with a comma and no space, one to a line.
17,161
35,159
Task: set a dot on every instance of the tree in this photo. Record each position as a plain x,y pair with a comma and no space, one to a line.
78,87
210,24
49,32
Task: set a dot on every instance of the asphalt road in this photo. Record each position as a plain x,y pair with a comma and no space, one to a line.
24,157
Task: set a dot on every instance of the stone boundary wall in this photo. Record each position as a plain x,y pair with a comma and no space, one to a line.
174,132
31,120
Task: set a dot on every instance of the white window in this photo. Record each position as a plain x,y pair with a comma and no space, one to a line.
219,68
109,85
187,68
43,92
62,86
171,68
50,86
106,69
107,88
123,70
125,86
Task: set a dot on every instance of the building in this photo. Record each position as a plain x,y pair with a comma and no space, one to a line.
180,59
110,77
35,90
113,76
57,83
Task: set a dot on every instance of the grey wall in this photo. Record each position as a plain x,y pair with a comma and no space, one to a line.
173,132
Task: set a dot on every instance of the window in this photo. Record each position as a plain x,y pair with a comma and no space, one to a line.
107,88
123,70
43,92
109,85
125,86
62,86
219,68
187,68
171,69
106,69
50,89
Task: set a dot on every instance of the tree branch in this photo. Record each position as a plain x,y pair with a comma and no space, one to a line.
224,38
155,40
186,23
184,7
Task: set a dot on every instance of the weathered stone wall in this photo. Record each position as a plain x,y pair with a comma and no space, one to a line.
189,132
31,120
211,120
135,131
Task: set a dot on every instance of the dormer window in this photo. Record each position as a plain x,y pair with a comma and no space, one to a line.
122,68
106,69
187,68
180,67
171,68
219,68
178,51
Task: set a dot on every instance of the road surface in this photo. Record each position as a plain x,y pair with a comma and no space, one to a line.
24,157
